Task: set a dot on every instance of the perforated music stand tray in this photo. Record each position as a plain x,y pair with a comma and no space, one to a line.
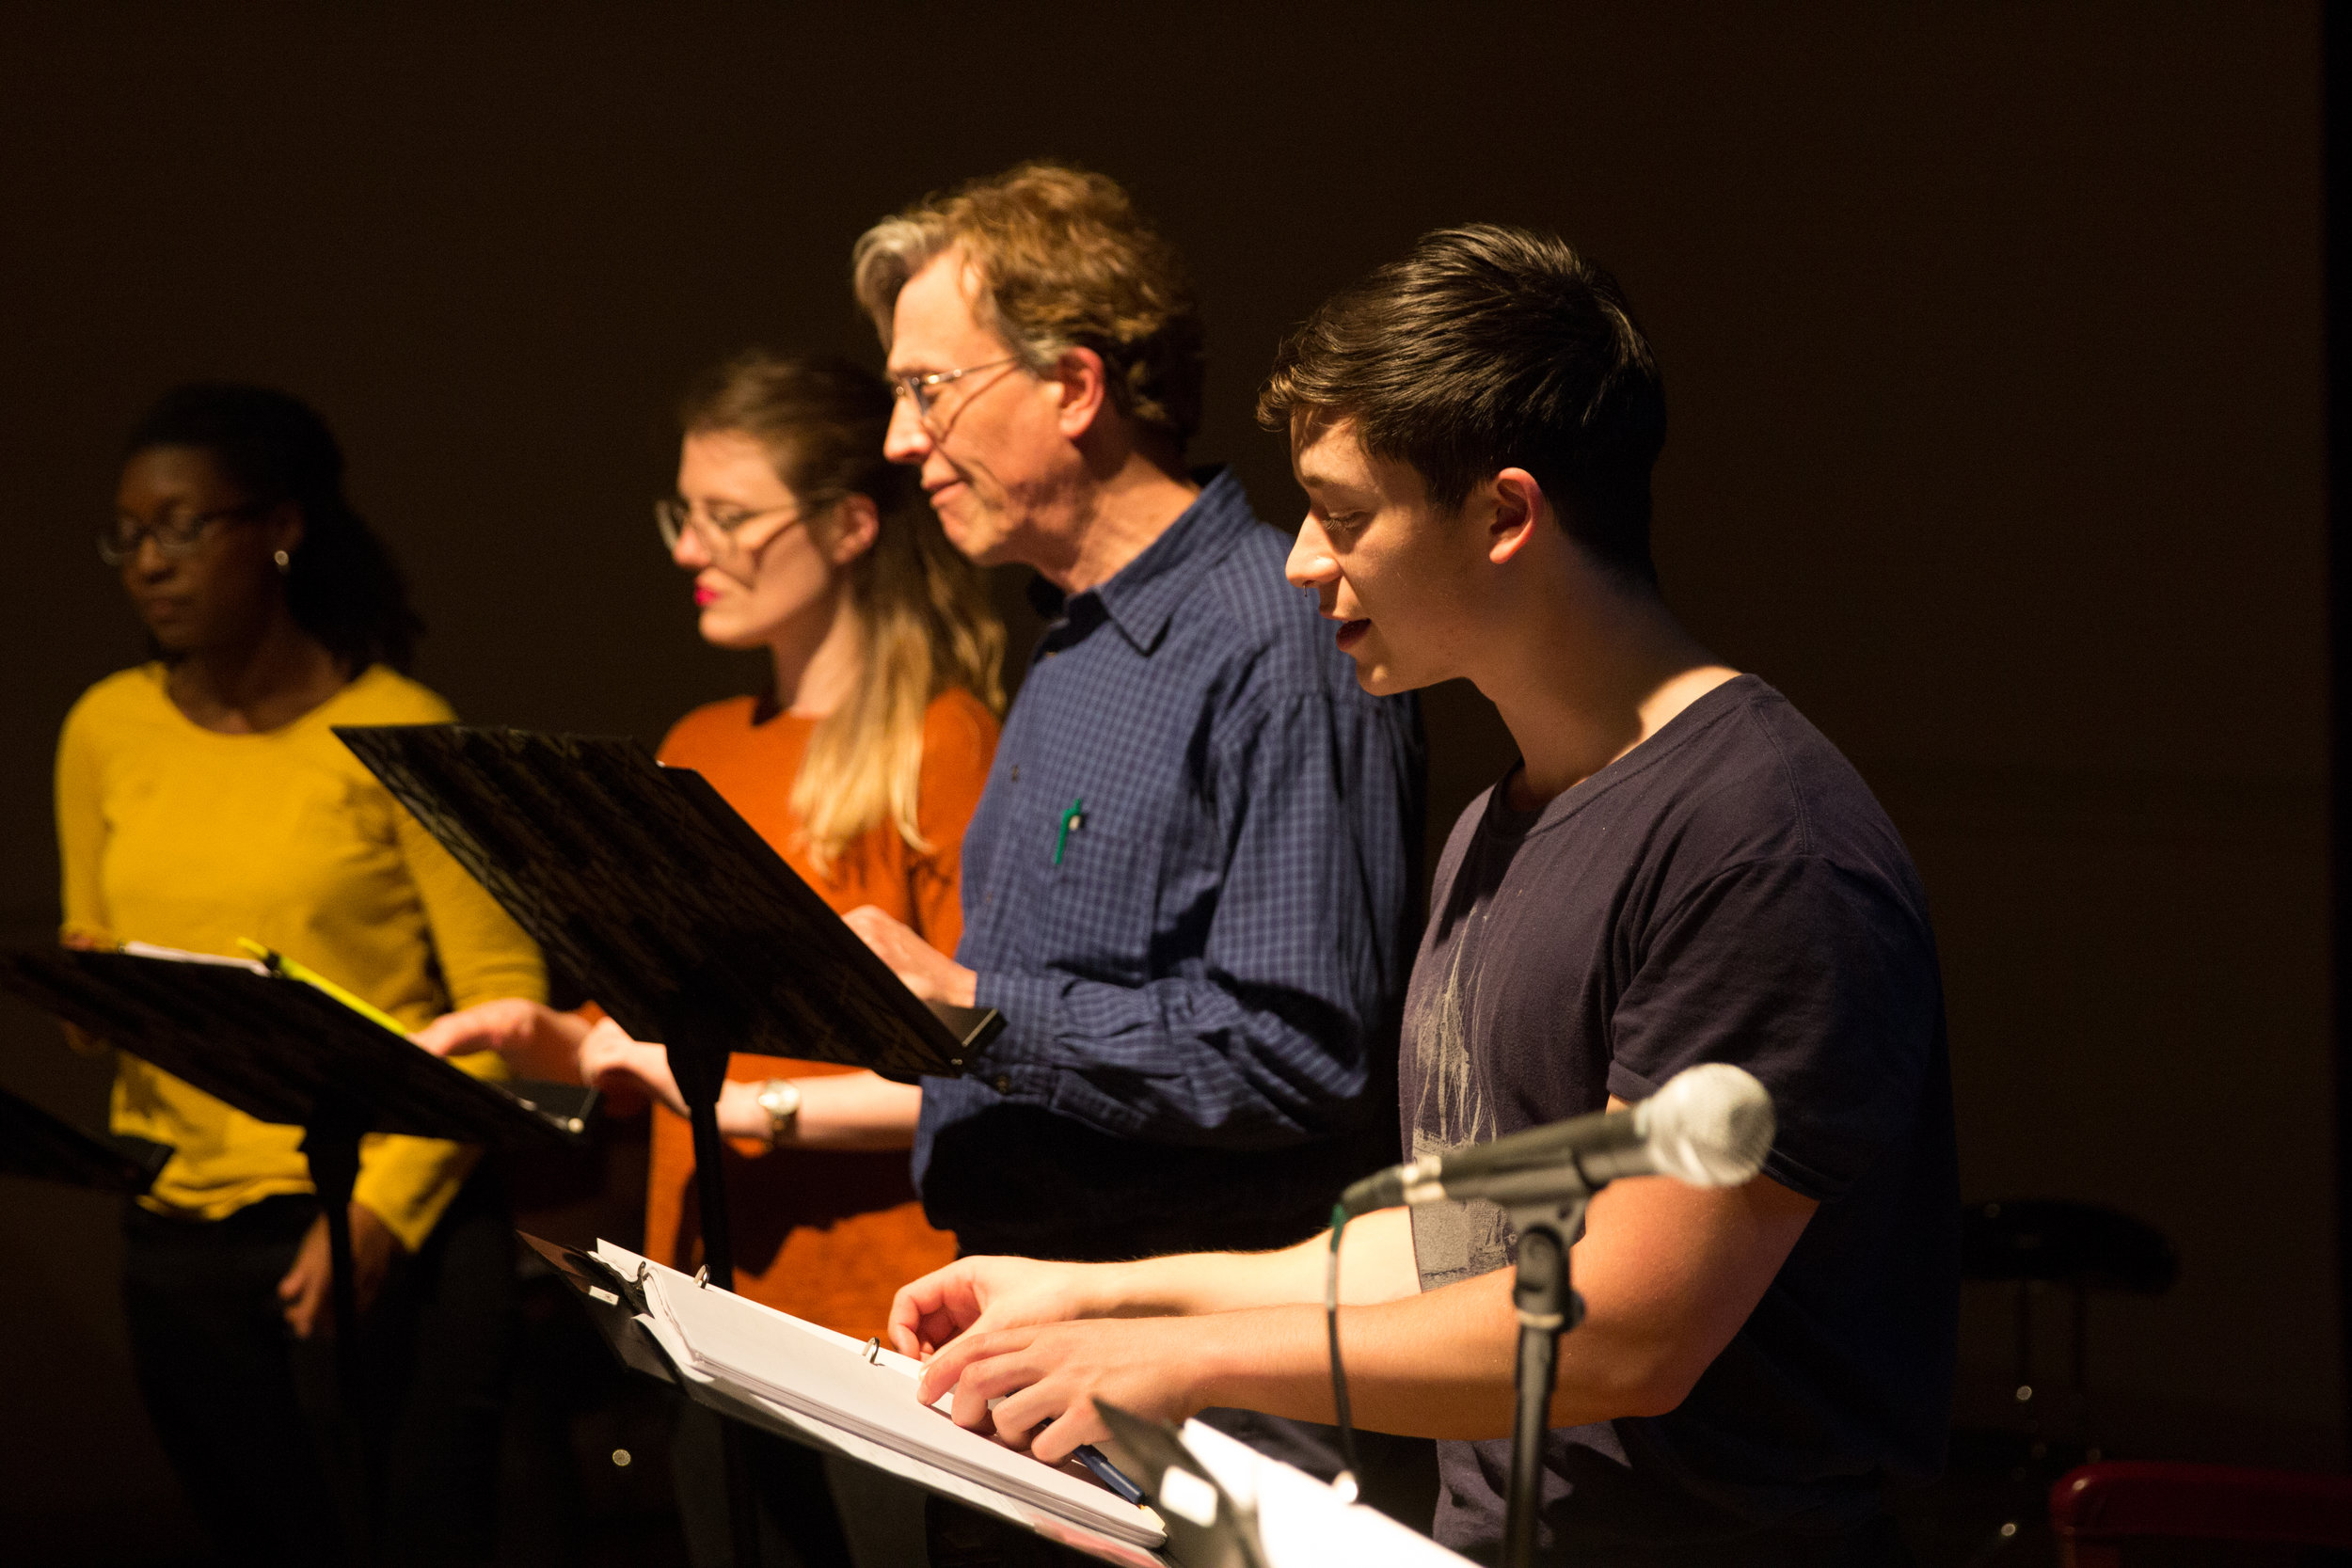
684,925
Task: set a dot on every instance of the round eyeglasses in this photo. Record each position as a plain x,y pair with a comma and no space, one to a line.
176,537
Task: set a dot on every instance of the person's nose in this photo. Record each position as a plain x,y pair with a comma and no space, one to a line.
148,562
690,552
907,439
1312,563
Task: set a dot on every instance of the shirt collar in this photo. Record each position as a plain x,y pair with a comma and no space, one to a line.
1141,598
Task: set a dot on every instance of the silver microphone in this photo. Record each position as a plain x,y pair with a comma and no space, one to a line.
1711,1125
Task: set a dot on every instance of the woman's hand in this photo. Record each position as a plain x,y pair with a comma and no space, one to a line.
529,1035
308,1289
617,1065
983,1294
610,1060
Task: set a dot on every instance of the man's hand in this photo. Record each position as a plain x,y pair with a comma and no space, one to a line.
922,968
984,1295
1046,1379
307,1288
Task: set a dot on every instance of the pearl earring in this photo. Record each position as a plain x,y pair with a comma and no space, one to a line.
285,563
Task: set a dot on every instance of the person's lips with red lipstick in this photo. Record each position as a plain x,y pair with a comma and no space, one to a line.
704,594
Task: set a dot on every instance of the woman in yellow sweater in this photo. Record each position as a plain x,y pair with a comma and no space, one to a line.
203,797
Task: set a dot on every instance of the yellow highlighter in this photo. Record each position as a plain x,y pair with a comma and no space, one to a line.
277,963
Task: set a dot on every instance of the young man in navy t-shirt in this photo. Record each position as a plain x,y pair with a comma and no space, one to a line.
1678,869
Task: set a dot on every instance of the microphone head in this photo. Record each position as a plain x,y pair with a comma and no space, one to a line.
1711,1125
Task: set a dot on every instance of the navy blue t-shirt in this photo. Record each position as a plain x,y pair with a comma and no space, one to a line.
1727,891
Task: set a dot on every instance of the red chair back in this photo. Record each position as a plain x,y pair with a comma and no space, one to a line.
2097,1507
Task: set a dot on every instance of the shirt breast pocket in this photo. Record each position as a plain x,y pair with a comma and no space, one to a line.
1095,898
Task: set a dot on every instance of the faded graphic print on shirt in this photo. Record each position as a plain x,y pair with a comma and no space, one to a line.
1454,1110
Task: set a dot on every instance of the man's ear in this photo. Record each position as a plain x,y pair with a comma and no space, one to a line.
1518,508
1084,388
857,523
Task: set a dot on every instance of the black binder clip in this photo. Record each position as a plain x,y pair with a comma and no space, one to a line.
701,1277
871,1351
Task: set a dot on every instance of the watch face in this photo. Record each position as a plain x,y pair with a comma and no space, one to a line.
781,1100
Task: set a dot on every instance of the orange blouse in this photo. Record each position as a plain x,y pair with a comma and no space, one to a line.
828,1235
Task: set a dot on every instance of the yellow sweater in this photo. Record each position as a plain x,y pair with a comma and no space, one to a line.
179,836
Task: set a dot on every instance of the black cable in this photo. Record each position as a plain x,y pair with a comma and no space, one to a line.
1338,1375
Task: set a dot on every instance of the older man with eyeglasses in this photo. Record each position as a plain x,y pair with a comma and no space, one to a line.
1191,883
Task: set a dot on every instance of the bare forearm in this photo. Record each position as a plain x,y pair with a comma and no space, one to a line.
1668,1274
856,1111
847,1110
1375,1264
1438,1365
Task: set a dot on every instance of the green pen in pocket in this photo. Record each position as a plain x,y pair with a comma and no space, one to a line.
1074,818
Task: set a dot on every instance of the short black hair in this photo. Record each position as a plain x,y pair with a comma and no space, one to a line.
1490,347
342,586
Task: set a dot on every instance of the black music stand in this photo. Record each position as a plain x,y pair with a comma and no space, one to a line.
613,1302
287,1053
39,1147
681,921
644,884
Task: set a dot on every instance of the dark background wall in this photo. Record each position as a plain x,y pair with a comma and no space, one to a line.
1991,338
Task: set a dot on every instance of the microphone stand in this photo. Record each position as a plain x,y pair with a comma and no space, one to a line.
1547,1213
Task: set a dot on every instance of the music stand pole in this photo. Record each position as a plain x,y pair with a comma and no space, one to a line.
332,1148
1548,1307
701,1070
331,1145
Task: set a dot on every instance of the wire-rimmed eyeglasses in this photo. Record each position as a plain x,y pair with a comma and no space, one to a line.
922,390
721,532
177,538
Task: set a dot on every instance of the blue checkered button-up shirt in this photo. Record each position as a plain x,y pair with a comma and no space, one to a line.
1190,887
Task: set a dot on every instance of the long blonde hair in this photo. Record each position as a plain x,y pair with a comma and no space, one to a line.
928,624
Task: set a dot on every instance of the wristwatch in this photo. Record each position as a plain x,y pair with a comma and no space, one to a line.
781,1098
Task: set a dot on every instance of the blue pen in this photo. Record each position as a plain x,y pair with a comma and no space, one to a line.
1107,1473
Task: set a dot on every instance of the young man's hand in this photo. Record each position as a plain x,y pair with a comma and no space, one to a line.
1047,1377
922,968
983,1294
307,1288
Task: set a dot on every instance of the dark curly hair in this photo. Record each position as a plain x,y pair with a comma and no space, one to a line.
342,586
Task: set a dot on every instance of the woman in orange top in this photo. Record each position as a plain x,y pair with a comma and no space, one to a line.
861,765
